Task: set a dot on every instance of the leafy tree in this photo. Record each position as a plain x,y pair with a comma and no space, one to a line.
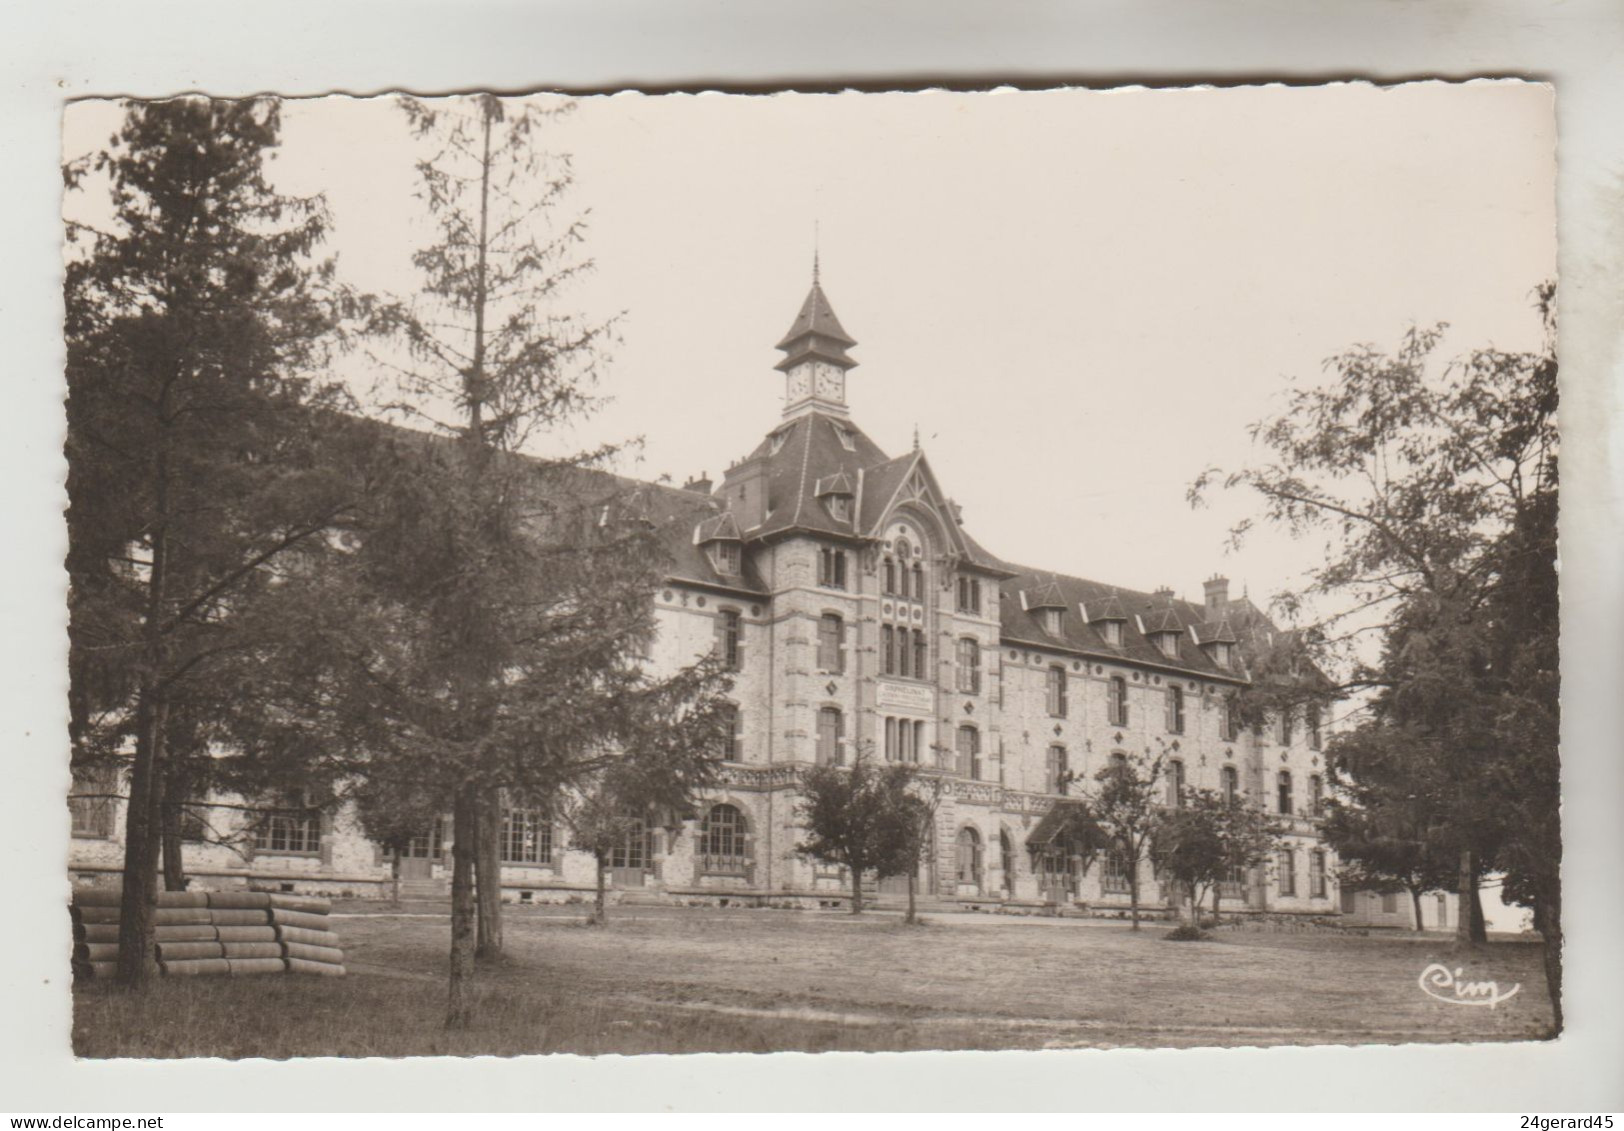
1437,485
1188,846
1126,805
1247,834
1387,821
393,814
913,824
195,325
864,818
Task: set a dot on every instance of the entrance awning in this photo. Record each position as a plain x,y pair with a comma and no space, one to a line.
1067,820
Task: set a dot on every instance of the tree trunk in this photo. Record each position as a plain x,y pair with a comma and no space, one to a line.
913,884
139,897
1133,893
600,914
460,1007
489,875
856,892
174,864
394,874
1195,907
1415,900
1480,925
1217,897
1463,886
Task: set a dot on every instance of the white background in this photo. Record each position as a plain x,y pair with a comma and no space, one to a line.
74,50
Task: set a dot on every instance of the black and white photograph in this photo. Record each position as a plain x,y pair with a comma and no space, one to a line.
851,572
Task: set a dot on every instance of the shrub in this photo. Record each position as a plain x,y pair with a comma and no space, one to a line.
1184,932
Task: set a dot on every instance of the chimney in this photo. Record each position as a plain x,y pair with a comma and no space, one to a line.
1164,593
1217,588
700,486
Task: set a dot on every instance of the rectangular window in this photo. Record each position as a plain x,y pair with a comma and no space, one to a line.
832,568
831,643
1114,873
1288,872
1389,903
831,727
892,750
970,595
969,750
920,748
1285,726
292,828
888,650
1057,691
969,666
1054,771
1112,631
1316,795
1175,709
726,557
1283,788
1313,718
921,657
1316,874
1231,779
527,837
733,736
93,815
729,639
1175,783
1116,702
1229,723
904,653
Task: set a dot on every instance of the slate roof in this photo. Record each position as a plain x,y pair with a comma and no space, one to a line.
1095,598
816,332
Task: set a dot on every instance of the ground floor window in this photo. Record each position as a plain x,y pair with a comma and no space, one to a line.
1114,872
527,837
91,801
1389,903
969,856
723,840
633,850
1316,874
293,827
1288,872
1443,910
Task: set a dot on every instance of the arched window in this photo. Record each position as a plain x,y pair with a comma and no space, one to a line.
888,650
1283,784
903,550
831,728
921,664
904,653
918,582
969,856
1230,778
890,576
723,840
969,750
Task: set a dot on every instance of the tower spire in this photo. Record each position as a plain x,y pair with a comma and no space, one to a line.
815,360
814,253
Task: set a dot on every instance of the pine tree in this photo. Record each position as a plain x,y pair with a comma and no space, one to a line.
195,325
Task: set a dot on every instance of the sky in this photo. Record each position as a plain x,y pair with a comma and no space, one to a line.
1080,299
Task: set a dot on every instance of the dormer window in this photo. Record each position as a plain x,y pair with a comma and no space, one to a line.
1220,655
1050,619
1112,631
835,492
839,507
847,438
725,557
1168,642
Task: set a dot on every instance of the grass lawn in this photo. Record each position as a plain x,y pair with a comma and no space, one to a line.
738,980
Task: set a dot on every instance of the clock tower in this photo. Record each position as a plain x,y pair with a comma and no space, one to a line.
815,362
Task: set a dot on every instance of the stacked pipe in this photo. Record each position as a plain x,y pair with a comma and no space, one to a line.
216,932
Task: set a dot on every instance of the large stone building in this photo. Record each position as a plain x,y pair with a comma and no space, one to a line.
863,619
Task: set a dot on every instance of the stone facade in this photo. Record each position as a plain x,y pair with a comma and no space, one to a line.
867,622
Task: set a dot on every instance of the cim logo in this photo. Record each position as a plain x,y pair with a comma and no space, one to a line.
1443,984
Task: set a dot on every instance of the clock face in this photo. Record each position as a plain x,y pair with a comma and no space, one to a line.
828,383
800,384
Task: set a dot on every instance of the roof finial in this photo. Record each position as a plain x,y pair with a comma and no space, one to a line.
916,435
814,253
